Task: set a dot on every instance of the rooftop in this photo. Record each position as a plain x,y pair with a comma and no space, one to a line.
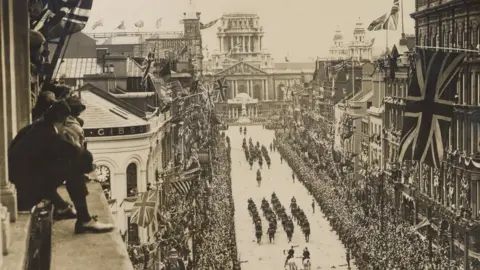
240,14
101,113
295,65
123,40
77,67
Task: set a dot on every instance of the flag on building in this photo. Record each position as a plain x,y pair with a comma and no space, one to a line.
420,225
59,18
428,112
145,208
221,87
158,23
139,24
183,183
149,59
208,25
97,24
121,26
341,65
388,21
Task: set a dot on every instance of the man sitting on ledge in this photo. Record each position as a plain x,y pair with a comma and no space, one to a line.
40,160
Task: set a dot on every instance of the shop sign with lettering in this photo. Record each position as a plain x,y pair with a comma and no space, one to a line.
117,131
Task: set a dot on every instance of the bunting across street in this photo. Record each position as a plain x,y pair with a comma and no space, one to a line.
208,25
429,108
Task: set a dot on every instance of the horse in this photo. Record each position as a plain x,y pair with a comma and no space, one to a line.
307,265
292,265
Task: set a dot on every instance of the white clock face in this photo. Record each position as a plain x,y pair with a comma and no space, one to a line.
103,173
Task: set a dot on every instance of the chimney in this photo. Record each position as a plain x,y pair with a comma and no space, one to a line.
101,53
403,40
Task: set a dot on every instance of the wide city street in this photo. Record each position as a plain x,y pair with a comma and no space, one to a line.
326,249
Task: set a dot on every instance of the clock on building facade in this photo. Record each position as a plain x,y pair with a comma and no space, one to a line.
103,173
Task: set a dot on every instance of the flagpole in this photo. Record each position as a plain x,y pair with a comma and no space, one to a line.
403,28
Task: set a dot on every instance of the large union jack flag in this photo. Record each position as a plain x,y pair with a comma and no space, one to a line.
429,109
145,208
388,21
62,17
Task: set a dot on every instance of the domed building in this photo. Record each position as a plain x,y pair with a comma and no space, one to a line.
338,51
248,68
359,49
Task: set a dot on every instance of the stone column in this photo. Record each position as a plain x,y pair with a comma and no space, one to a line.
261,43
249,43
243,44
229,113
256,111
220,44
231,43
8,114
266,89
22,63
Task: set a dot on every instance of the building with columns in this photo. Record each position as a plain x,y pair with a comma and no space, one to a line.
248,68
360,48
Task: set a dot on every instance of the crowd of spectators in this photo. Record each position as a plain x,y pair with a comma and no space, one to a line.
218,248
376,235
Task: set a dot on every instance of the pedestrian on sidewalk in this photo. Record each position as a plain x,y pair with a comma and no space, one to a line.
313,205
281,160
293,177
348,258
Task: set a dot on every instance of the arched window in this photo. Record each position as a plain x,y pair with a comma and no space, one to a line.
257,90
132,180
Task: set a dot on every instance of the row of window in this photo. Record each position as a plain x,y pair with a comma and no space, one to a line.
468,87
466,136
466,38
393,118
397,89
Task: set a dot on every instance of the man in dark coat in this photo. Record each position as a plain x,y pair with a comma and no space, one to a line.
40,160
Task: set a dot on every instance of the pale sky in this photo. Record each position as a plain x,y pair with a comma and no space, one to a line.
301,29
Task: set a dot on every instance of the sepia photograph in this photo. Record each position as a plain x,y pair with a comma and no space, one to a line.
240,134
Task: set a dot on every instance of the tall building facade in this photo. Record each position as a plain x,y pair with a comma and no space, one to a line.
449,197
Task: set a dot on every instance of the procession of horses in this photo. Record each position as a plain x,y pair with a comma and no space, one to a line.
274,211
